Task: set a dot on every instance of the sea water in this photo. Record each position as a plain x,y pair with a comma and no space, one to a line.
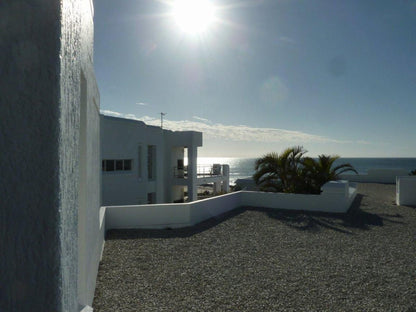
244,167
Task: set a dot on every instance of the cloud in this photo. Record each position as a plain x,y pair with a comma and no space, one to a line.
111,113
201,119
236,133
363,142
142,104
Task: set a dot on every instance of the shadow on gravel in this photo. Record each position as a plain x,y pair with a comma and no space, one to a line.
355,218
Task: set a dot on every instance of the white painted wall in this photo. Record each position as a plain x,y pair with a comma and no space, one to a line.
326,202
147,216
90,226
120,139
387,176
46,47
406,190
207,208
336,197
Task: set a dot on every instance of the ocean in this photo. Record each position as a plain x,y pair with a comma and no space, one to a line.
244,167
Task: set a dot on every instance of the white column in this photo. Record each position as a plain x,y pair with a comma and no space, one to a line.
226,180
217,187
192,173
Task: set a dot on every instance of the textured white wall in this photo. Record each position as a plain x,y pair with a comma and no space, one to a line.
29,94
42,51
90,229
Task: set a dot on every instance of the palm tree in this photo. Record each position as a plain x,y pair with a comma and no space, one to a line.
291,172
267,172
320,171
280,173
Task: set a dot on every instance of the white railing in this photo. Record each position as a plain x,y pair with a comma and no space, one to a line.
202,171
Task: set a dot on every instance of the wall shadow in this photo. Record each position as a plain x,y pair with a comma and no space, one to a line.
355,218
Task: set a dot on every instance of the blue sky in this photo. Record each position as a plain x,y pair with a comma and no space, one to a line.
338,77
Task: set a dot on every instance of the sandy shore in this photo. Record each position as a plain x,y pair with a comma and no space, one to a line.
264,260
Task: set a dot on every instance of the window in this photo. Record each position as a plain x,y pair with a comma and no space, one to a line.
116,164
127,164
109,165
151,198
151,162
139,163
119,165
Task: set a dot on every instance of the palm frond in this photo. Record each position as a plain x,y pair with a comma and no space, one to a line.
344,168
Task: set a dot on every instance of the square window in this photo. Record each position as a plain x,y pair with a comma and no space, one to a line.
119,164
127,164
109,165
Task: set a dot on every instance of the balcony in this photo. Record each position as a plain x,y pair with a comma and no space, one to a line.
202,171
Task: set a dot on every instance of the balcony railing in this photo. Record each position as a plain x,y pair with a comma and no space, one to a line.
202,171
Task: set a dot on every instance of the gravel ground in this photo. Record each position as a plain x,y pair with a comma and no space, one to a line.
263,260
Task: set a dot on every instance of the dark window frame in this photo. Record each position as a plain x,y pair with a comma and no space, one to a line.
116,165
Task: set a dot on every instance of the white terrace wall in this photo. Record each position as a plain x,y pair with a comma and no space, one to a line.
147,216
406,190
207,208
335,198
387,176
326,202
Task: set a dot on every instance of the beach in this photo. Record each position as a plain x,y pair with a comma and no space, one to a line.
254,259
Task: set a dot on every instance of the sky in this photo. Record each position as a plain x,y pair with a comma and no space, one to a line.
335,76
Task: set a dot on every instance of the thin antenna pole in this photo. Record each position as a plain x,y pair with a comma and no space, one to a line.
161,119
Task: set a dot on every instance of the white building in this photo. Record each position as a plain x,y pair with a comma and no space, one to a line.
144,164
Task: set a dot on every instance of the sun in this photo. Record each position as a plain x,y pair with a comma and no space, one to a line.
193,16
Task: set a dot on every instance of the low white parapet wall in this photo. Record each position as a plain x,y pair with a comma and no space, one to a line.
147,216
406,190
336,197
387,176
207,208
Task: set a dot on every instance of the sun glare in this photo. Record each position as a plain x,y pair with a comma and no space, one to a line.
193,16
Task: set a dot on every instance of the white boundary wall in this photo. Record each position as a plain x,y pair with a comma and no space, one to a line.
406,190
376,176
336,197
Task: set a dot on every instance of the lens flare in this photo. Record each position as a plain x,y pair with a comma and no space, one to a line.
194,16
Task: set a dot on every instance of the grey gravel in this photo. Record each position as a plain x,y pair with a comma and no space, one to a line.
255,259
